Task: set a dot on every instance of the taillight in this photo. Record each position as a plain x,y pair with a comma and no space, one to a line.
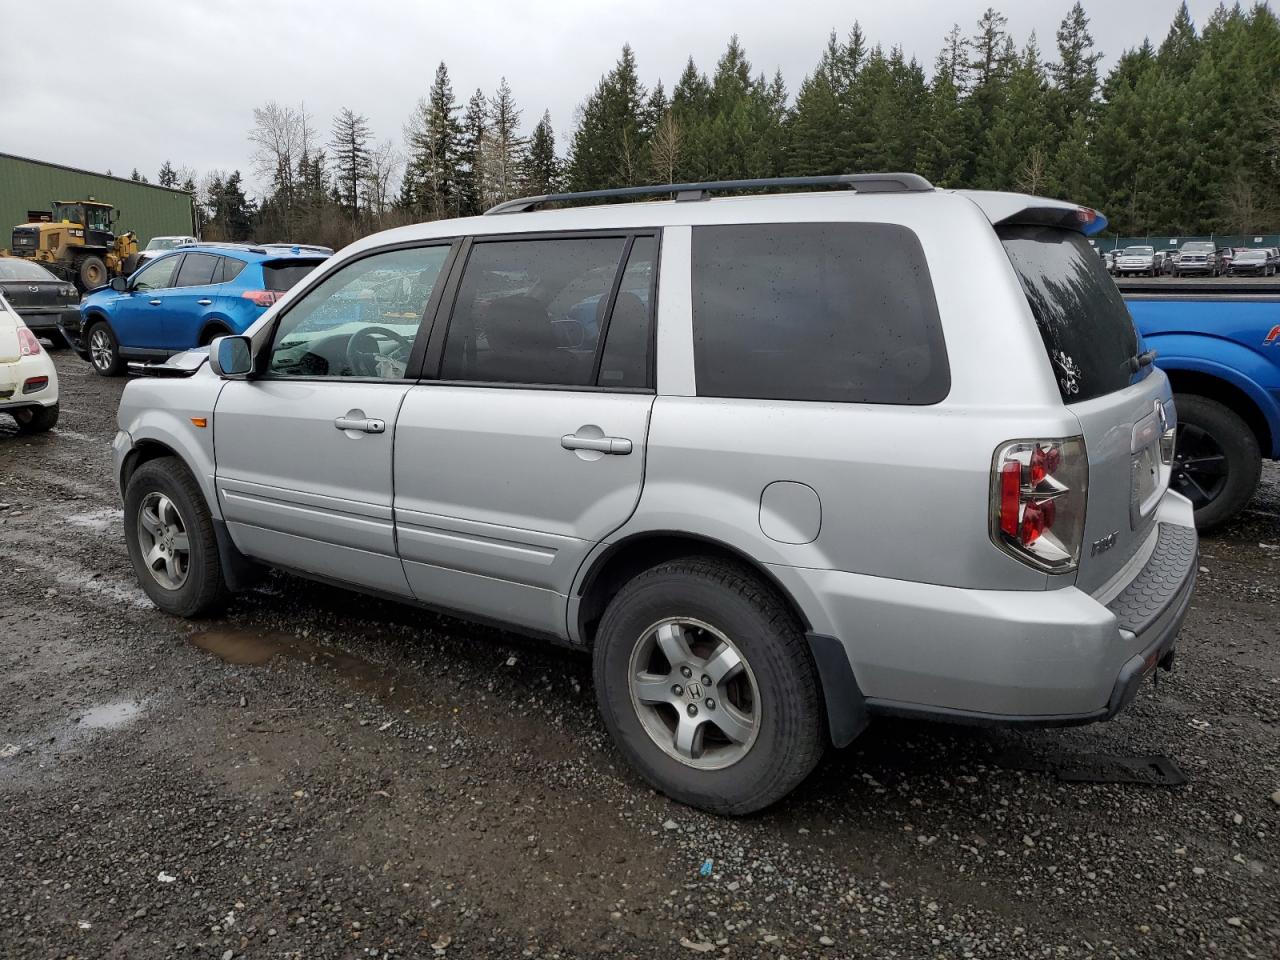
28,345
35,384
1038,496
263,298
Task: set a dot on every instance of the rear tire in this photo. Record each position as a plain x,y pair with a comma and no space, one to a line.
104,350
36,419
1211,438
718,611
184,581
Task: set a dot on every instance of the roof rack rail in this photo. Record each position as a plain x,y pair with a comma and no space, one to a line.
860,182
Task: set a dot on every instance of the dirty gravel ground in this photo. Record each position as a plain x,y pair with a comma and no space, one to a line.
318,774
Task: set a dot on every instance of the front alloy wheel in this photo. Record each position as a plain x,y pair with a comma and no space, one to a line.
694,693
162,537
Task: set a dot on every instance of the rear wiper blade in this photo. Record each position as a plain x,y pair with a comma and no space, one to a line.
1140,360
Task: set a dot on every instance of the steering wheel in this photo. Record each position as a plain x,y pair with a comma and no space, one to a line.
364,350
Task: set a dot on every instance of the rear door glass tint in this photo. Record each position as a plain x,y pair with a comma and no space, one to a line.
1085,326
196,270
816,311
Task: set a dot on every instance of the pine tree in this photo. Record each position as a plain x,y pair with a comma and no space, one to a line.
167,177
1075,75
540,169
475,131
608,147
351,157
434,138
505,153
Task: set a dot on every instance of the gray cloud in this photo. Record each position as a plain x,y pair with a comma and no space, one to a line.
179,81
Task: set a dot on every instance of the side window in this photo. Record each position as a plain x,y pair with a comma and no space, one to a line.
625,362
362,320
196,270
229,270
531,311
158,275
816,311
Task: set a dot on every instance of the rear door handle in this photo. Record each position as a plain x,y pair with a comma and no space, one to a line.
363,424
619,446
205,302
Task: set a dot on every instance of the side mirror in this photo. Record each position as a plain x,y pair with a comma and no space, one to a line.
231,357
119,284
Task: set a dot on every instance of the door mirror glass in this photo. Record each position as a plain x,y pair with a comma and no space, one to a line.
119,284
231,356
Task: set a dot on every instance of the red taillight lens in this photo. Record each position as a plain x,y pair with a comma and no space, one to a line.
263,298
28,345
1038,501
34,384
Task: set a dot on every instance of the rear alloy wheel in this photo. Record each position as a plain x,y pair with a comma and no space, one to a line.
1216,460
707,685
104,351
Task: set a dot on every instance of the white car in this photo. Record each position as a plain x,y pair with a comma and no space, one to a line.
159,245
28,381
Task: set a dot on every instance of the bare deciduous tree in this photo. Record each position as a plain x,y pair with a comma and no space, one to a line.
384,163
280,135
664,148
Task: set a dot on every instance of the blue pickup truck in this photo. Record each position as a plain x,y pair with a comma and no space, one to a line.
1219,342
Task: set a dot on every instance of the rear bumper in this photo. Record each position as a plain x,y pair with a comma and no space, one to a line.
1036,658
47,319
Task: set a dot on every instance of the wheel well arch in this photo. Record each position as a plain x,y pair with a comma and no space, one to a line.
143,451
95,315
211,329
1215,388
637,553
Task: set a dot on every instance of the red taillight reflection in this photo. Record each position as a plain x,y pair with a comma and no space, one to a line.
262,298
1044,463
1010,496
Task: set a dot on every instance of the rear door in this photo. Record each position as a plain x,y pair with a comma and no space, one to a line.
1123,403
190,304
529,447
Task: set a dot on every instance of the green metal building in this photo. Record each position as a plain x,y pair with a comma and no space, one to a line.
148,210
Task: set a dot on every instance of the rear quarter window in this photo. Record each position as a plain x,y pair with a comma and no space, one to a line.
816,311
1087,332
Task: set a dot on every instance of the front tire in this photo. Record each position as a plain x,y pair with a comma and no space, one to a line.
1217,462
91,273
171,540
707,685
104,350
36,419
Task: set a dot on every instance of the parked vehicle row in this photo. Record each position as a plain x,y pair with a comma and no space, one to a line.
42,300
1194,258
597,424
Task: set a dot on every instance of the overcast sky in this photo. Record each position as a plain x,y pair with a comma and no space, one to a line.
113,87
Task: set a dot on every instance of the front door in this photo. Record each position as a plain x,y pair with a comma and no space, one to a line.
190,305
529,448
303,449
137,315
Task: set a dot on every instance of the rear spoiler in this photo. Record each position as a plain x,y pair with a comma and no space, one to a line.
1021,208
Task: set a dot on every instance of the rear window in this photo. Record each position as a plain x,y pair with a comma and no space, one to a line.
1084,323
283,274
816,311
11,268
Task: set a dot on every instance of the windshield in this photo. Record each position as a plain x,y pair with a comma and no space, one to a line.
1139,251
1251,255
1083,321
1198,248
162,243
13,269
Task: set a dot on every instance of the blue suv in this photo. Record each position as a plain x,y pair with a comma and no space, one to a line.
184,299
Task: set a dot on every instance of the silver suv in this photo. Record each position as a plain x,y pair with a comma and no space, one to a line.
781,462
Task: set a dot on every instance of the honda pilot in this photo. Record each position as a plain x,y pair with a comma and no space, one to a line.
781,463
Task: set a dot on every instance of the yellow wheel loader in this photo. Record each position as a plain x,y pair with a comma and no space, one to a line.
77,242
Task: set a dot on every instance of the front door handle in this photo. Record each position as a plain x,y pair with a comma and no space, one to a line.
205,302
155,303
363,424
619,446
